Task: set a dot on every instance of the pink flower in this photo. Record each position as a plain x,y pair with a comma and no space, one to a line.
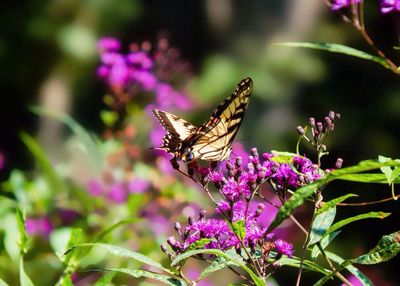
388,6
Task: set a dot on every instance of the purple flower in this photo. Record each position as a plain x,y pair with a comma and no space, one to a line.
167,97
215,176
138,186
388,6
140,60
239,210
223,206
354,281
234,190
339,4
283,247
95,188
108,44
39,226
146,79
118,193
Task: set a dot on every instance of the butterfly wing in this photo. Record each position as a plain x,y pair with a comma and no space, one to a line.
177,129
213,140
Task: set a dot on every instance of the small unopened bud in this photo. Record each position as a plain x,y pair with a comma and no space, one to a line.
254,152
163,247
177,227
238,161
229,166
190,220
300,130
260,208
202,214
338,115
320,127
231,173
327,120
172,242
339,163
311,121
331,115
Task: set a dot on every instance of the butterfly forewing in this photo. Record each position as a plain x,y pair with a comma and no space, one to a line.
213,140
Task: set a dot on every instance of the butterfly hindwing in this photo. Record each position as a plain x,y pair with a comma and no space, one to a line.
177,129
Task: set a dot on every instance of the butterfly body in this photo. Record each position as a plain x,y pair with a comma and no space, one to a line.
212,141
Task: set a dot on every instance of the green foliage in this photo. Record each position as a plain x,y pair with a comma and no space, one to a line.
321,224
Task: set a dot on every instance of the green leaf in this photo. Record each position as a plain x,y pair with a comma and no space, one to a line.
84,137
307,264
296,200
231,258
105,280
239,229
64,238
387,248
352,269
117,224
3,283
53,179
218,264
123,252
321,224
282,156
108,117
368,178
23,241
346,221
332,203
337,48
323,244
67,281
23,277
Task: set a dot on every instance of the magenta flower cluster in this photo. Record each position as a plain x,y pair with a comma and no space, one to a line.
387,6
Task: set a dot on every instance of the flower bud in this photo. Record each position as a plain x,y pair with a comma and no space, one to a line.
320,127
177,227
300,130
338,115
229,166
163,247
339,163
331,115
328,121
238,162
311,121
202,214
254,152
190,220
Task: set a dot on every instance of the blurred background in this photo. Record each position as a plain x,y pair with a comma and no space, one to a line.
49,58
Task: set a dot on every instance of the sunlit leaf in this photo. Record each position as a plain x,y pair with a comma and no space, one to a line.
200,243
307,264
337,48
23,240
321,224
387,248
3,283
346,221
332,203
239,229
117,224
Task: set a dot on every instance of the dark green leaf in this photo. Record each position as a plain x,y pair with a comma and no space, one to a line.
339,49
53,179
321,224
346,221
24,280
387,248
239,229
332,203
323,244
368,178
123,252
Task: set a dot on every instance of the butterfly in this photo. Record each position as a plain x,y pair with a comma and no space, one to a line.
212,141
